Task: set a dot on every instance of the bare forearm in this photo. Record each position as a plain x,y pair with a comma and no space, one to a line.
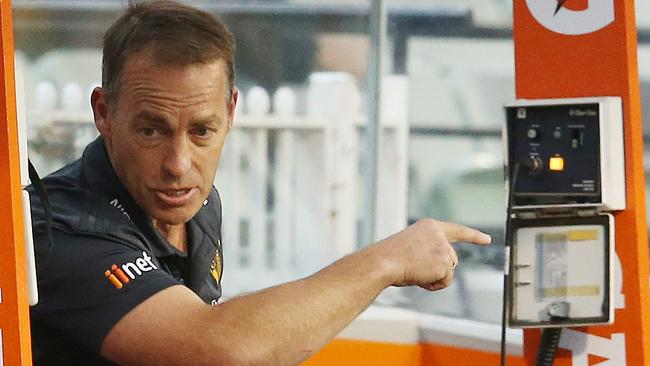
285,324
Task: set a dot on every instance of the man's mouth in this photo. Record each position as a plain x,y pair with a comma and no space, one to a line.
177,192
176,197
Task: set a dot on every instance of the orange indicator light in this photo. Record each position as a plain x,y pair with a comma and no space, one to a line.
556,163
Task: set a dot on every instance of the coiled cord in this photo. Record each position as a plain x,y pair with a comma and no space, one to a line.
548,346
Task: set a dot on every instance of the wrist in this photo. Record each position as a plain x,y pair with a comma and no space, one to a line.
382,264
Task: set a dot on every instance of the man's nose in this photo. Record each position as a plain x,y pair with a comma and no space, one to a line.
178,158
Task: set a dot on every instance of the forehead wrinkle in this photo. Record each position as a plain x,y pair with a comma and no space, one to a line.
174,91
144,75
155,93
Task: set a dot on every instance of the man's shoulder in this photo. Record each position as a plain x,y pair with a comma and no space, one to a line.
78,209
74,204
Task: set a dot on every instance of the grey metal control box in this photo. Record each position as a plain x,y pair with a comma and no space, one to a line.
565,174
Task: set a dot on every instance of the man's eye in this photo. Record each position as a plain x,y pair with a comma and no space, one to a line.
202,131
148,132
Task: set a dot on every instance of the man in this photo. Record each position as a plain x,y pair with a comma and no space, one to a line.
131,276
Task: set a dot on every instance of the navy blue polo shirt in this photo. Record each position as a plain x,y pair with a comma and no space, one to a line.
107,258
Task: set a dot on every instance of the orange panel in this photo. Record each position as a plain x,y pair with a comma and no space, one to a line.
347,352
553,62
14,309
448,356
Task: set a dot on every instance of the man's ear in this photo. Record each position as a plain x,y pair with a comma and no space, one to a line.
232,105
101,113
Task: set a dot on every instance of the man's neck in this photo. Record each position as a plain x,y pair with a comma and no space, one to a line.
175,234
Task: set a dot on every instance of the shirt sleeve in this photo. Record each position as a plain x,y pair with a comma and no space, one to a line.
87,284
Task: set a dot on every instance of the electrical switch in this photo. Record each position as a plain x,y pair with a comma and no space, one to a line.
577,138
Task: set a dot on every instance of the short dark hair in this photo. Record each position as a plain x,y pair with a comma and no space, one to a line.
176,34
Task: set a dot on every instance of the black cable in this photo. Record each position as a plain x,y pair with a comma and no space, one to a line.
504,309
40,190
548,346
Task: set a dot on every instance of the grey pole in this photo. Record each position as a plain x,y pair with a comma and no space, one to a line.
377,30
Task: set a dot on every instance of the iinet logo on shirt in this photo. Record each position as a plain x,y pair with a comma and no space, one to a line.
120,276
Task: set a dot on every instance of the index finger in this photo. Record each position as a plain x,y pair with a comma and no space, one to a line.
456,232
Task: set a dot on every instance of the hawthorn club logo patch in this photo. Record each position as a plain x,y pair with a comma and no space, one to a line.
215,267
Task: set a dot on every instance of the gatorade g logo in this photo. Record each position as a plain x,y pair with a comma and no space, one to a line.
572,17
122,275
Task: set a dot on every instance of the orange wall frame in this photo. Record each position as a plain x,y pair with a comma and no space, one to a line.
554,58
14,309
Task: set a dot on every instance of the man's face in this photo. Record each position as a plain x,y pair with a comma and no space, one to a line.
165,133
